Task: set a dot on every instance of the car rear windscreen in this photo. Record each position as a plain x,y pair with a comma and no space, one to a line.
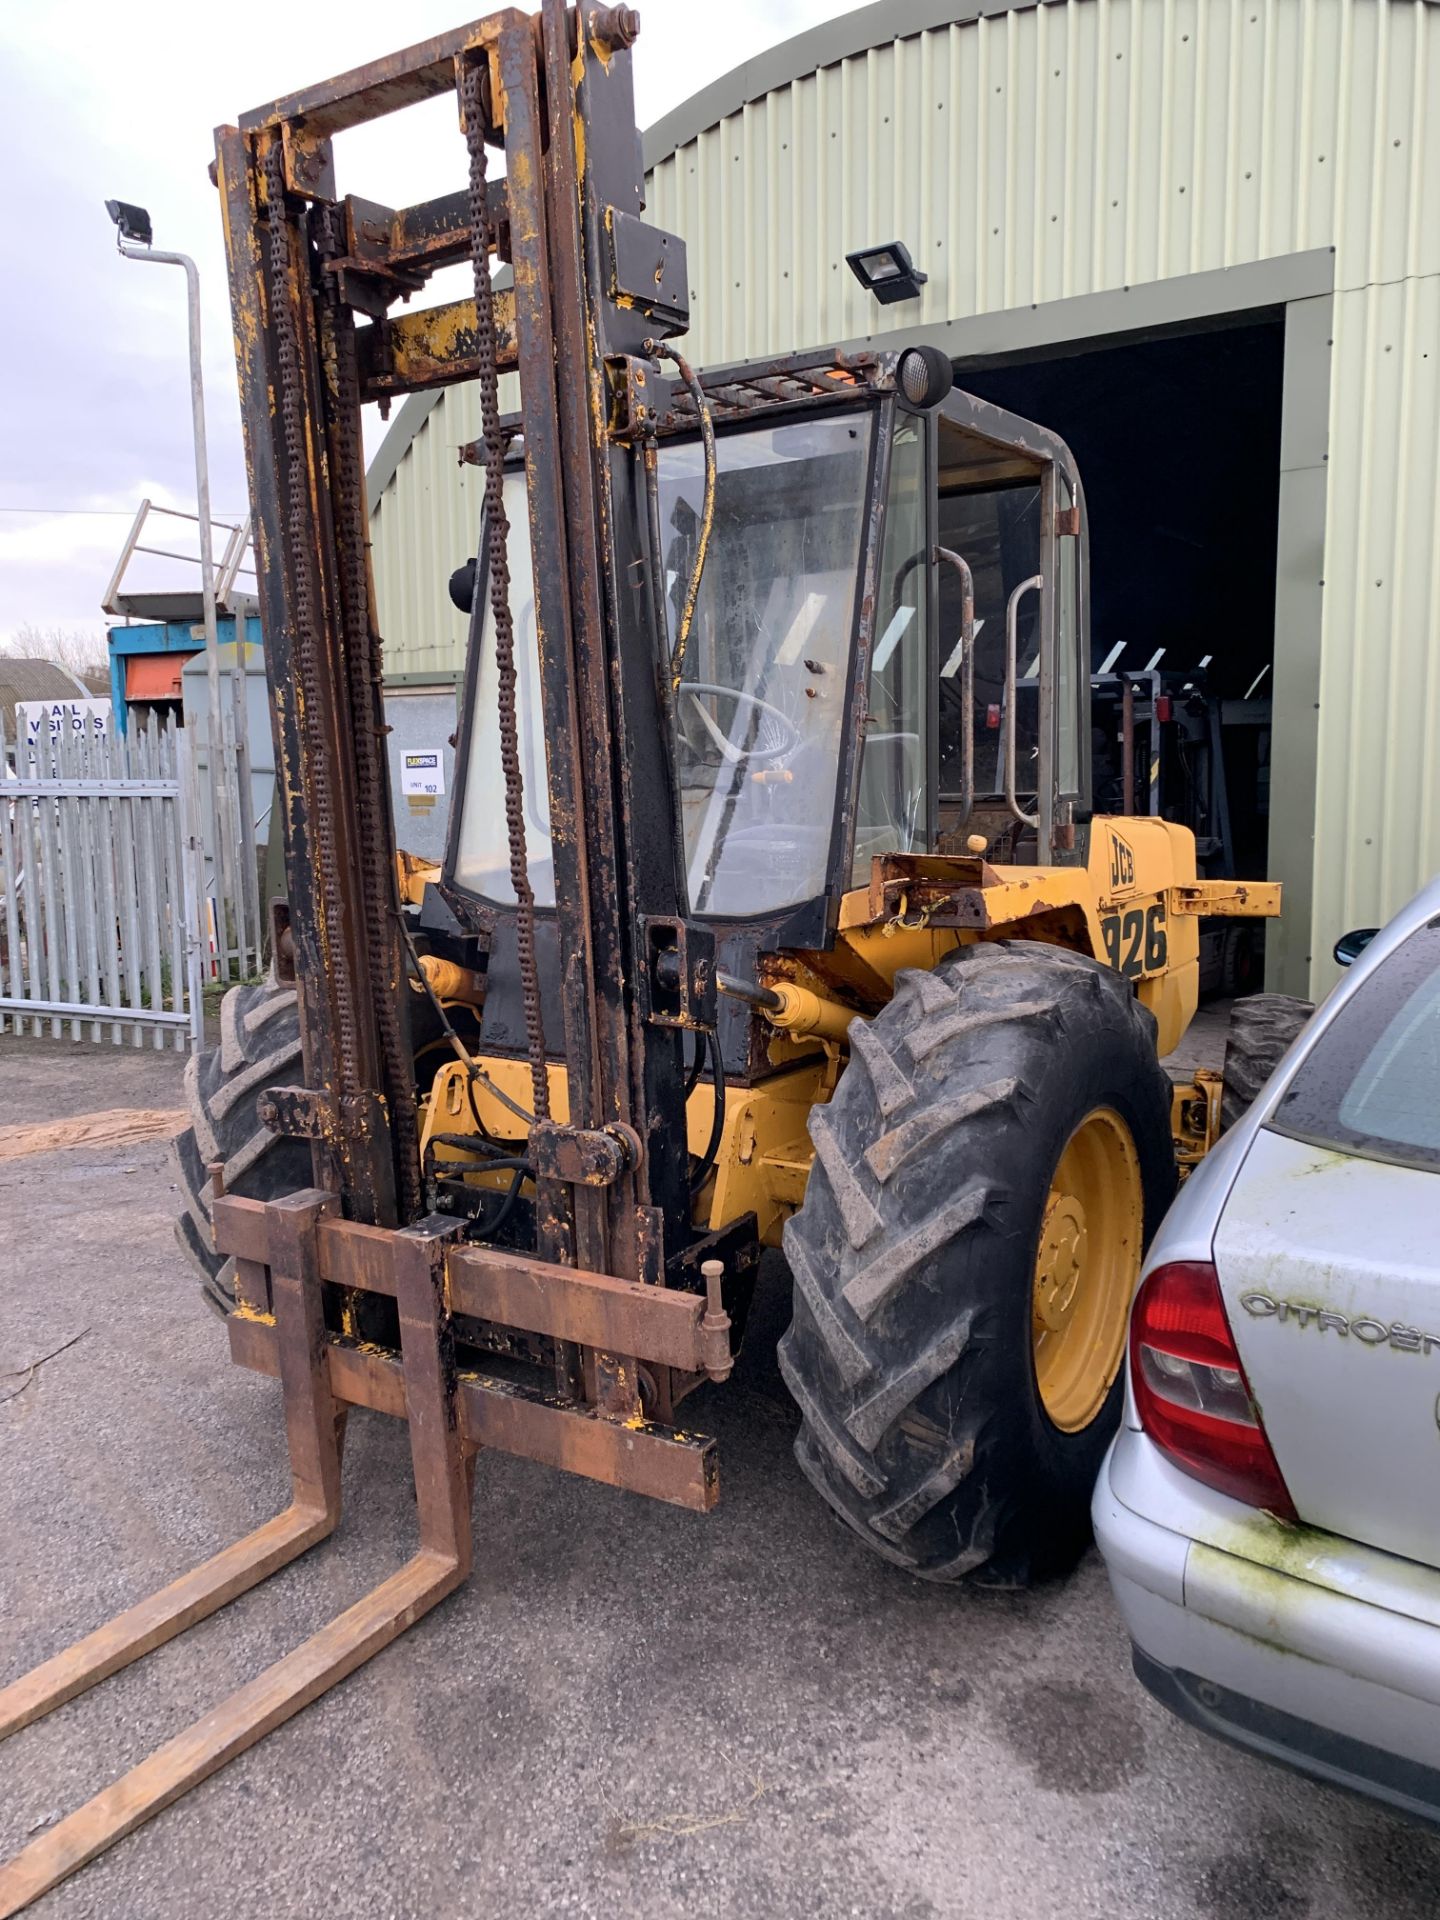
1372,1084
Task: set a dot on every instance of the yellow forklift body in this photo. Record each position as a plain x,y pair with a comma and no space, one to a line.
1135,904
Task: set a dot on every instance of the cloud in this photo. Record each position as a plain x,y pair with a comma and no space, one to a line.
99,101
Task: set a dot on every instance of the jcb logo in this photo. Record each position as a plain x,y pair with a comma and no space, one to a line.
1122,863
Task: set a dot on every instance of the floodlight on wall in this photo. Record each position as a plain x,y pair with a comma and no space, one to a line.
887,271
133,222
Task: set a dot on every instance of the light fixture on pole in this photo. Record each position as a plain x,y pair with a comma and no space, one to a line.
133,222
134,238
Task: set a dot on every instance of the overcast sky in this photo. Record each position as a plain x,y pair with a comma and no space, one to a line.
103,101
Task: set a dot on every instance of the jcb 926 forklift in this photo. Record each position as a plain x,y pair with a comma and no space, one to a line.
773,915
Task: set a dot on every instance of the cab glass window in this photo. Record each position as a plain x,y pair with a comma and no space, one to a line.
891,817
997,530
762,689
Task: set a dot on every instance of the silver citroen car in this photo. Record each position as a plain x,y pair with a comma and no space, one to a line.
1270,1512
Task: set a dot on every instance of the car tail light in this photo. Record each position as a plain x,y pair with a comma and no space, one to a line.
1190,1388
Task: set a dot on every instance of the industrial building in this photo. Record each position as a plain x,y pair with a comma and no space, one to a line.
1198,238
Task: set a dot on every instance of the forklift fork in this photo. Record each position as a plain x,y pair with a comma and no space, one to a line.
444,1479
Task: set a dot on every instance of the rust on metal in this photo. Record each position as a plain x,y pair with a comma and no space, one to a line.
473,121
313,1431
667,1327
582,1156
916,885
638,1455
442,1459
795,383
1195,1118
409,352
658,1324
419,72
614,27
363,667
299,1113
612,1201
796,380
1236,899
409,243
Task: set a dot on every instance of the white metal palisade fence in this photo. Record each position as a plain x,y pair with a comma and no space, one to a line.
103,919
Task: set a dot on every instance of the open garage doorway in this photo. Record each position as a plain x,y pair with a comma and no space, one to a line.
1178,444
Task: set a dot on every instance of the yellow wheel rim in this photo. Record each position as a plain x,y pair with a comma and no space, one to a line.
1086,1266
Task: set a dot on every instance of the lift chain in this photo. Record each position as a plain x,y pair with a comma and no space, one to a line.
497,529
364,671
320,799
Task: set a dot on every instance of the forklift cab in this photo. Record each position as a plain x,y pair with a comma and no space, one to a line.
889,651
981,651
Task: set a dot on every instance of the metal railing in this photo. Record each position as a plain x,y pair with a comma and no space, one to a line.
229,569
104,926
227,824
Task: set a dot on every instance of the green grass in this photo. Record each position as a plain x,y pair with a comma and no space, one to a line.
216,990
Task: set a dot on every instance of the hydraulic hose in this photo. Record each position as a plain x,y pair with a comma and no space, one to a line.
717,1123
663,351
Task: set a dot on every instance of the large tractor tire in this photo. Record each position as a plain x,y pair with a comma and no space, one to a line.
994,1162
1261,1028
259,1048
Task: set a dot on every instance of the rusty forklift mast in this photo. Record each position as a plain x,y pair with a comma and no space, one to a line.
313,277
575,329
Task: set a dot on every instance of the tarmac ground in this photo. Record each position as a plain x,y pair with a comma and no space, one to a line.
628,1709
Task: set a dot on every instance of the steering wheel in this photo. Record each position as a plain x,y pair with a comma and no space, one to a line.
776,735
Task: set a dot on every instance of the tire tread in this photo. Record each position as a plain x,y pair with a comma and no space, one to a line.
259,1048
920,1172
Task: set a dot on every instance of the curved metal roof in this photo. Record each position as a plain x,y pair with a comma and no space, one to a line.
819,46
824,45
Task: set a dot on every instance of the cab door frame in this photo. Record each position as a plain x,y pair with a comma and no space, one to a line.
1062,816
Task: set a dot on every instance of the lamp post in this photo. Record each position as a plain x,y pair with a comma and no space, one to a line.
134,238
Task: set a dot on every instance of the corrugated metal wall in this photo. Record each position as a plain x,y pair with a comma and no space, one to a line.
423,525
1061,150
1066,149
